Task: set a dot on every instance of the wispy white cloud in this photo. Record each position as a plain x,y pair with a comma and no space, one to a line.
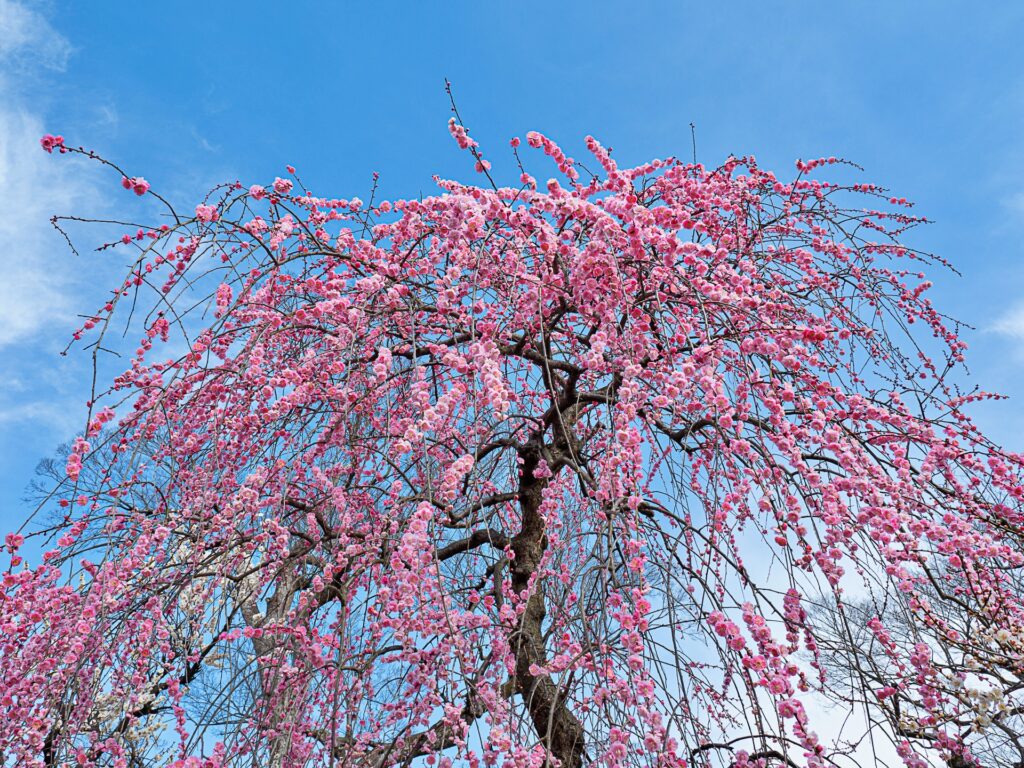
38,280
42,285
202,142
1013,204
27,39
108,115
54,416
34,292
1011,323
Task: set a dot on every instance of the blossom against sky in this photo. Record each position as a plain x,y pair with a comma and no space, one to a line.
929,98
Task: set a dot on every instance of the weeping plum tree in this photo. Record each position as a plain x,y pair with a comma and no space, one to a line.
526,475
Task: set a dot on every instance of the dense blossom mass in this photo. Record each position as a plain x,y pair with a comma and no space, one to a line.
599,471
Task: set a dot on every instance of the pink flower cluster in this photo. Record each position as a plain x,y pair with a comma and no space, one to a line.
453,477
73,466
207,213
102,418
225,294
136,184
727,630
565,164
50,142
462,138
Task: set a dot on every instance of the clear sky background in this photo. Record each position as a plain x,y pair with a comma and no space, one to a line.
927,96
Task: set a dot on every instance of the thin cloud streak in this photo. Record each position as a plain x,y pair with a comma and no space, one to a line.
1011,323
28,40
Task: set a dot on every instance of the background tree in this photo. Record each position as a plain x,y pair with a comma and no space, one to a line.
516,476
978,663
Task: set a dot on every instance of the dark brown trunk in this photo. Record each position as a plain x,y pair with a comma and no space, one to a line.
560,731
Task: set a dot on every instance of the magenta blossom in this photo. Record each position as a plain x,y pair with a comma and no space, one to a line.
49,142
136,184
206,213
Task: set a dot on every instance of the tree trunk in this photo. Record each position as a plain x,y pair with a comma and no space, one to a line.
560,731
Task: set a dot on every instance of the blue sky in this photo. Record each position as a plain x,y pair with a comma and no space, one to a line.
928,97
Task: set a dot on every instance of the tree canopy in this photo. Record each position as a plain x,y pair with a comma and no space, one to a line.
608,470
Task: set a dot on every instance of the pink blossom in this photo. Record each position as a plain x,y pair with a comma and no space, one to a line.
49,142
136,184
207,213
460,135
